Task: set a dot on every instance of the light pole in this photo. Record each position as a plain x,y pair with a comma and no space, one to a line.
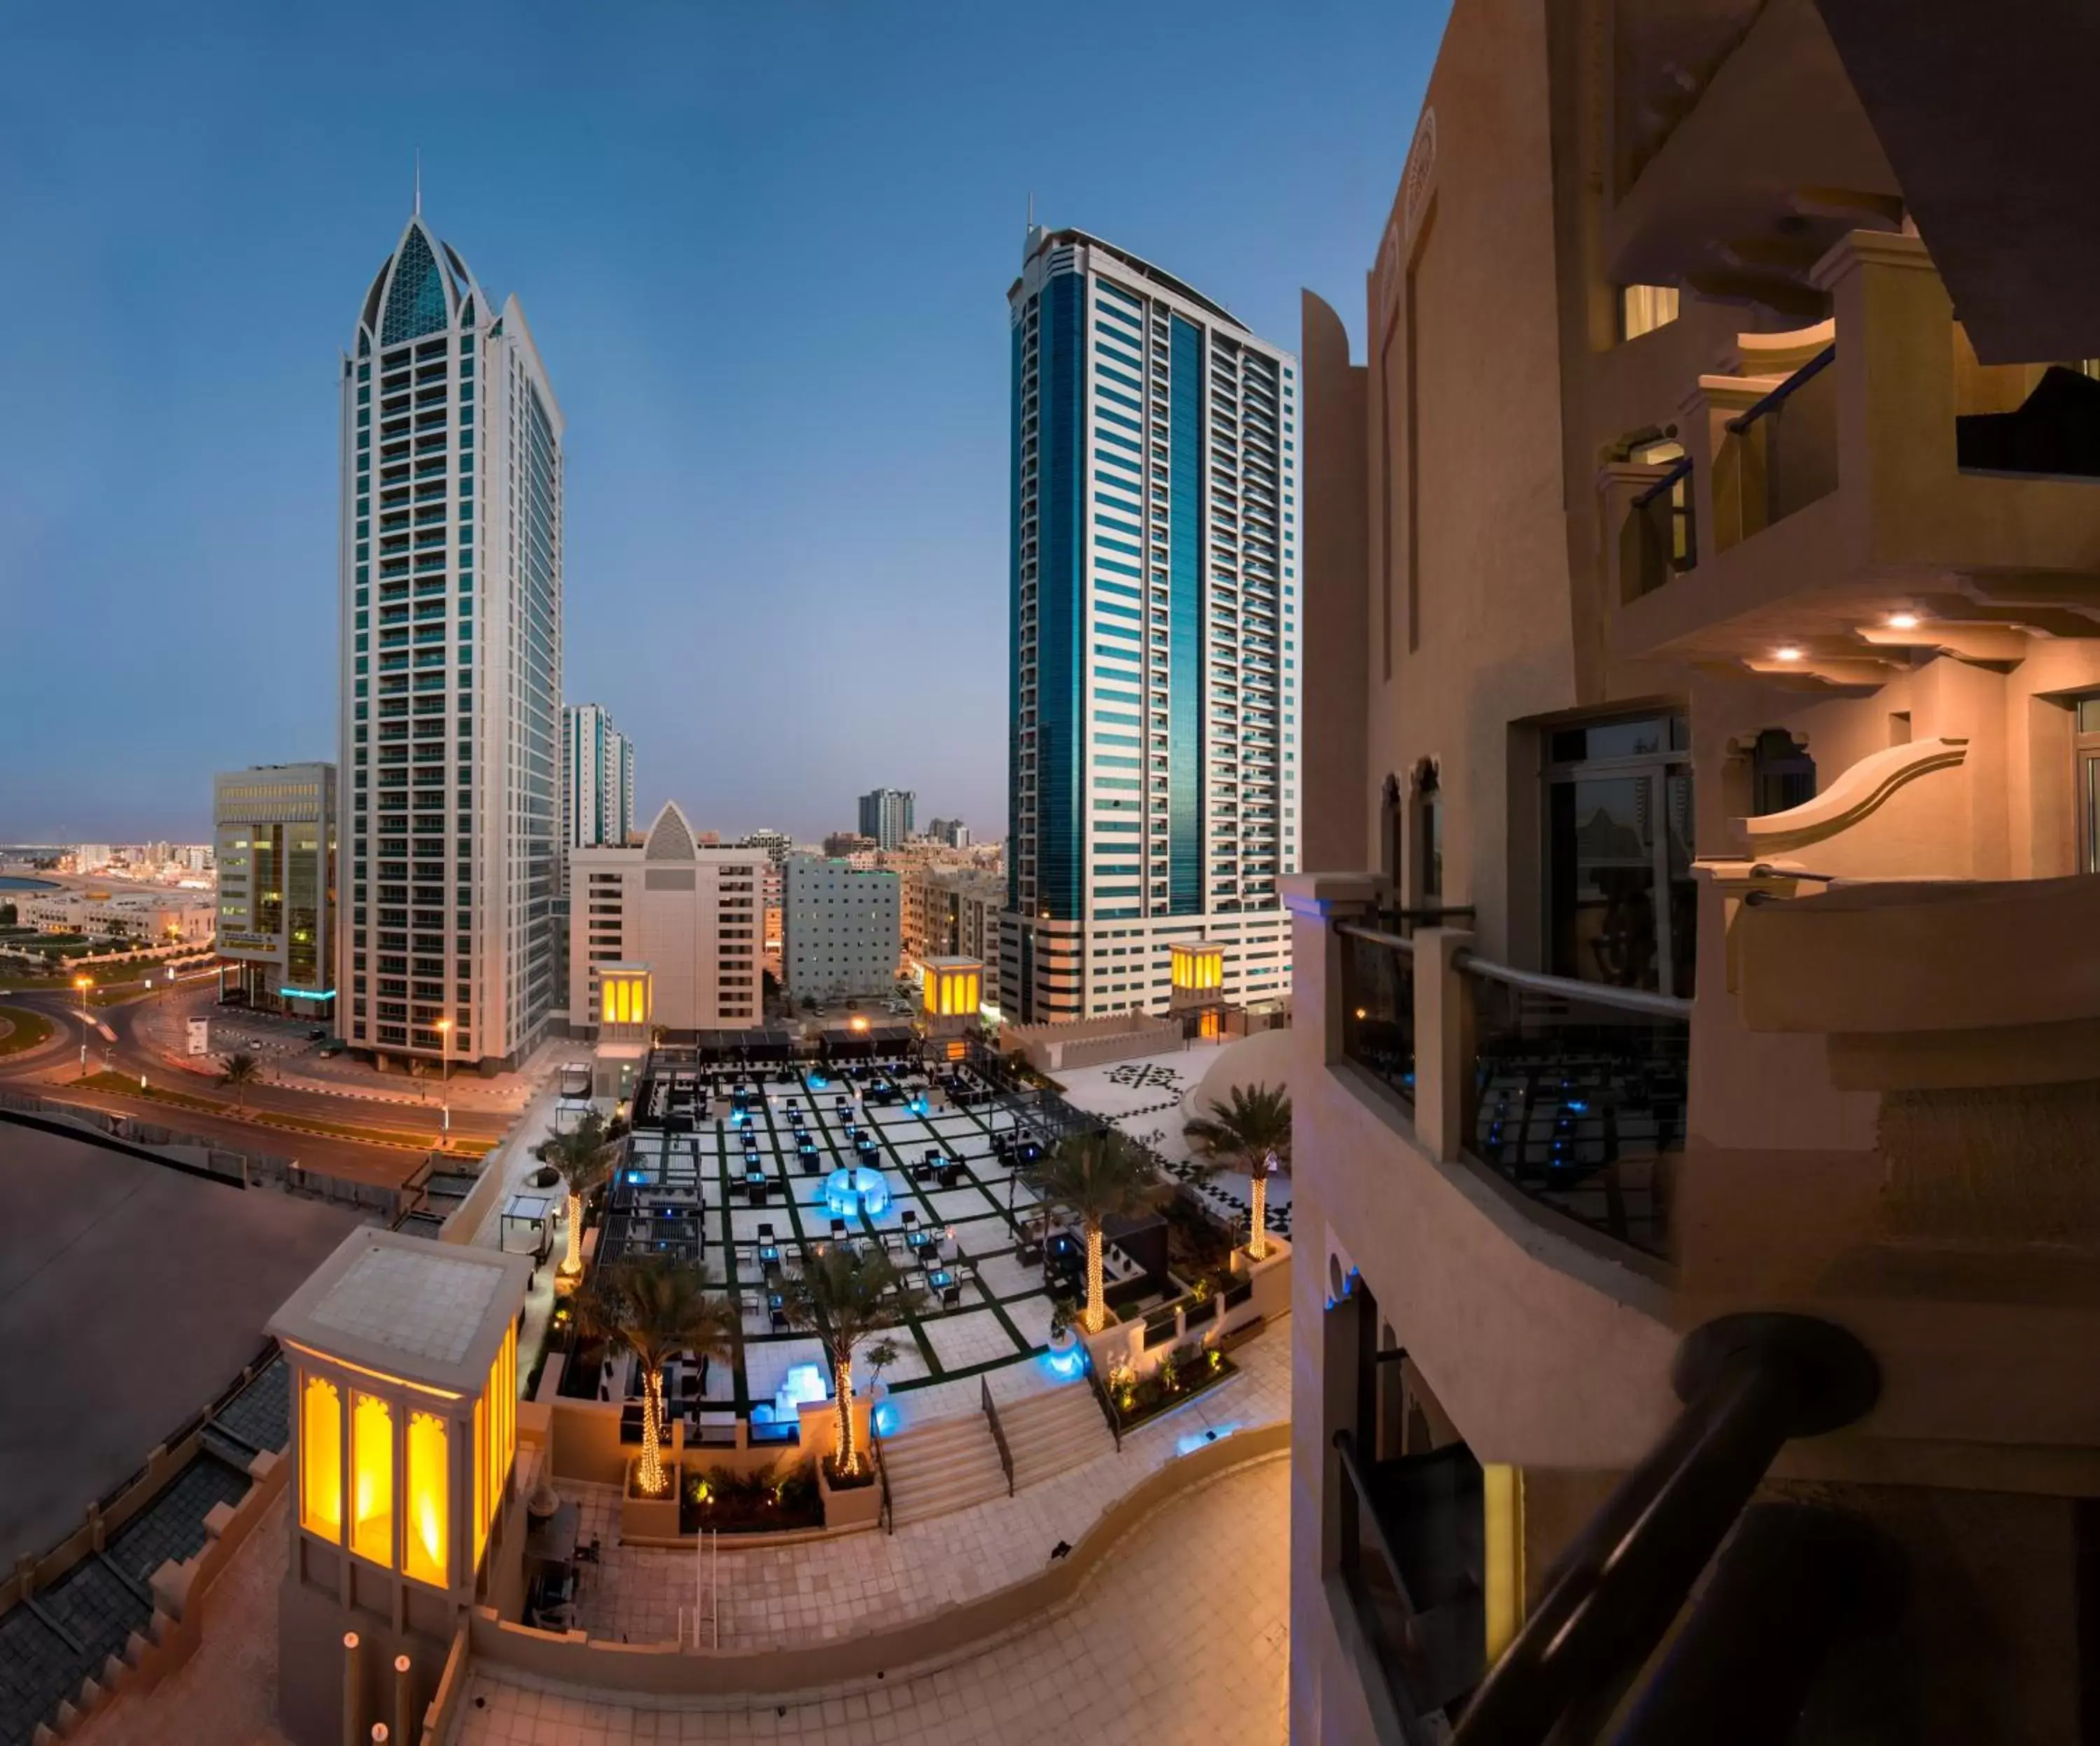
83,983
445,1081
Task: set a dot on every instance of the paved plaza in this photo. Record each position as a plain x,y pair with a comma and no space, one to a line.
1181,1637
754,1187
822,1589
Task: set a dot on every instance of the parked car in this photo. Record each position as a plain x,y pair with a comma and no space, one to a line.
331,1048
317,1034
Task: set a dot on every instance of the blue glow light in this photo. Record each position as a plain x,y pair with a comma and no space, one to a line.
1064,1365
1578,1106
858,1189
635,1175
308,994
1196,1440
817,1082
887,1419
805,1383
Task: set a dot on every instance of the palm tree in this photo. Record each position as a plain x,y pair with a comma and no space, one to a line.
1253,1132
845,1293
240,1071
657,1307
585,1157
1096,1176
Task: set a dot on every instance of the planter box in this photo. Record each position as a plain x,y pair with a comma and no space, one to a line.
856,1507
651,1518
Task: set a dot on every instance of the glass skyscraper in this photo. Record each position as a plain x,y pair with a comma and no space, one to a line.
1152,791
451,567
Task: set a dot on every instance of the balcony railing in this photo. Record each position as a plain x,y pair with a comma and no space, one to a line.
1661,530
1578,1095
1378,993
1781,455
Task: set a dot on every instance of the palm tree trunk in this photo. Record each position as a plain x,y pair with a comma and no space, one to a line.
1258,1236
849,1455
572,1260
1097,1314
649,1474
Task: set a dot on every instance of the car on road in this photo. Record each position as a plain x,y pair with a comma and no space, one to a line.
317,1034
329,1048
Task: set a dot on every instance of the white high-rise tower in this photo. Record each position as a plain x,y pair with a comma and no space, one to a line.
1153,787
597,779
451,668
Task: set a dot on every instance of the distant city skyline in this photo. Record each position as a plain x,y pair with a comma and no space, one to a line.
687,201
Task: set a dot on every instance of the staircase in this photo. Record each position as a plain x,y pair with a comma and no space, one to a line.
947,1465
1053,1429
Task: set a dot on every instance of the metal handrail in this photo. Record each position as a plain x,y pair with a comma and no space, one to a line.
1569,988
1101,1396
1771,402
1345,1446
1357,1507
881,1475
1681,470
1377,936
998,1432
1749,1383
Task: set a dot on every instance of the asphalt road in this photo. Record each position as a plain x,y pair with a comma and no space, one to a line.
46,1068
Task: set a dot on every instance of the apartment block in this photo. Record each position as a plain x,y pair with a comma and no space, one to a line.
839,935
276,854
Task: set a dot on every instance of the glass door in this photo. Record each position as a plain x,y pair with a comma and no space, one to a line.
1621,905
2086,772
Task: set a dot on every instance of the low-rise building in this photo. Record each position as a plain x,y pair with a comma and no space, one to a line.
951,912
688,915
276,885
840,930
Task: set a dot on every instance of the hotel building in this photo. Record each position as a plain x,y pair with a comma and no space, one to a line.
276,852
1698,975
451,668
1151,748
688,916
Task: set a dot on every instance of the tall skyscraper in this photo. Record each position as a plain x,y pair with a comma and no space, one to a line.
597,779
885,814
452,668
1152,769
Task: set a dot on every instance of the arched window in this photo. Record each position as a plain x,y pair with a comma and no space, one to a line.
1782,774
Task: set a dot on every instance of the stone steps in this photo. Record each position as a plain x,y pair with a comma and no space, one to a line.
948,1464
1053,1430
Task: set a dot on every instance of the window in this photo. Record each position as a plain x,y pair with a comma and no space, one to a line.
429,1480
1782,774
1644,308
1620,902
2086,770
372,1471
320,1459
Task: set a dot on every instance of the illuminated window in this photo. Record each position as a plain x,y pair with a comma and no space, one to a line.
480,1479
320,1458
428,1512
1644,308
372,1479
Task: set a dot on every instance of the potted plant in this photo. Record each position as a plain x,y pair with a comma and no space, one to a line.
1062,1339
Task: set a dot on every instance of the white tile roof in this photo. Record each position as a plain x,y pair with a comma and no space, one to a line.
428,1305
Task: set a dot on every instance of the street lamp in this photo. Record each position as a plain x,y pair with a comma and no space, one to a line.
83,983
444,1028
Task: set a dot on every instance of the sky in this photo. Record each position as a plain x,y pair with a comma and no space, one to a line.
765,252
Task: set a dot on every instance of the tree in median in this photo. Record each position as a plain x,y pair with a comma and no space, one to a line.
656,1307
845,1293
240,1072
1251,1129
1097,1176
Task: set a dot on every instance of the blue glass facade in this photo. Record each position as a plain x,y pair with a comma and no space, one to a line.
1059,599
1185,623
415,301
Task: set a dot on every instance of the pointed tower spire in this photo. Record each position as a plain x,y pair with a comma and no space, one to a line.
419,181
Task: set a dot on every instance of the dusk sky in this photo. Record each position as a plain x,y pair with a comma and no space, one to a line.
763,250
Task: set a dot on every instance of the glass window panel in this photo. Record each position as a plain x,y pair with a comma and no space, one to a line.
1602,902
321,1460
428,1559
372,1469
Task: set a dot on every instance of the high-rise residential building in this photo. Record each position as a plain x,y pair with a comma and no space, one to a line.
597,778
1151,748
452,668
951,831
686,913
840,933
885,815
1697,978
277,851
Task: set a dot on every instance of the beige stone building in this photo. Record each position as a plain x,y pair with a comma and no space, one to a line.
1703,742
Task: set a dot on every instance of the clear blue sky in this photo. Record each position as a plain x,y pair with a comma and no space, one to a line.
764,250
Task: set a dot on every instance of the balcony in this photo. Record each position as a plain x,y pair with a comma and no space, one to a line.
1862,470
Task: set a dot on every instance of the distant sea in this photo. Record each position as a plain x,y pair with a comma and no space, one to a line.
10,882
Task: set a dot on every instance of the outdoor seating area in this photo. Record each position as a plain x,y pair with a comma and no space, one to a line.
749,1169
